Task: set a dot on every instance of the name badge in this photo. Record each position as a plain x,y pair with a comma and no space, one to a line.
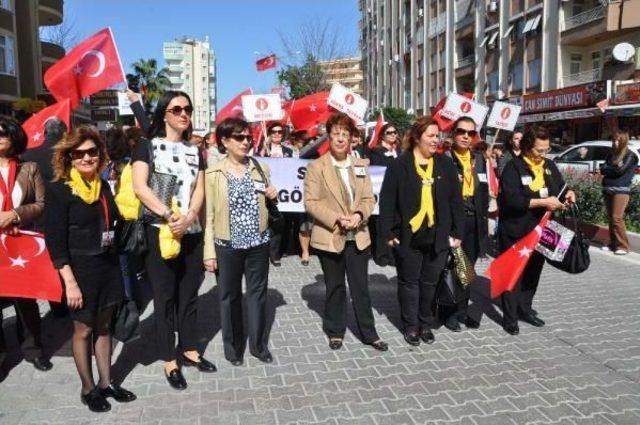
107,239
360,171
482,178
259,186
526,180
544,192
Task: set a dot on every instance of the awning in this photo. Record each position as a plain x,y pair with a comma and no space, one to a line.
536,22
484,41
507,32
630,109
493,38
560,115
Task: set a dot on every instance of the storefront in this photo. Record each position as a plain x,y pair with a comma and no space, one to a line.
625,107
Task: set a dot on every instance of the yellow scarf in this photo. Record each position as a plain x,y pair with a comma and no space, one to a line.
467,172
426,197
538,174
88,191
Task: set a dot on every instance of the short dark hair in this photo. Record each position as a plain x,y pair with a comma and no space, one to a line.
228,127
342,120
529,139
11,129
416,131
157,128
117,147
273,125
54,129
464,118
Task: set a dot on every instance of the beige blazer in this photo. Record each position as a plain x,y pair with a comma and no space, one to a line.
217,204
324,202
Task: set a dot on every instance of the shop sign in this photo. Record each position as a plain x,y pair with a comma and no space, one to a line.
568,98
627,93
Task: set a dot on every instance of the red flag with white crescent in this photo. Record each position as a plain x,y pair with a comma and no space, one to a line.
233,109
26,268
34,126
266,63
91,66
375,136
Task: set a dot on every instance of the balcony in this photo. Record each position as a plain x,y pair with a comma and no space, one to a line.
437,25
581,78
50,12
51,52
465,61
584,18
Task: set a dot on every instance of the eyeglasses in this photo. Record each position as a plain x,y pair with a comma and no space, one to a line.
276,132
541,151
390,132
177,110
77,154
462,132
242,137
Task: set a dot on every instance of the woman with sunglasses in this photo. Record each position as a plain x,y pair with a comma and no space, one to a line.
80,220
274,147
387,149
175,281
421,217
237,239
530,186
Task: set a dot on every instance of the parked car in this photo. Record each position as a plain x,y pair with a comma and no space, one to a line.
586,157
555,150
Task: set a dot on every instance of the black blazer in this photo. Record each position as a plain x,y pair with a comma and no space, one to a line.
516,218
378,156
480,198
400,202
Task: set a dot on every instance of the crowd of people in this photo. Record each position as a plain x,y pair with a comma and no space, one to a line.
208,203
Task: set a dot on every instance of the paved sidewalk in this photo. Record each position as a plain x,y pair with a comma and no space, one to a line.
583,367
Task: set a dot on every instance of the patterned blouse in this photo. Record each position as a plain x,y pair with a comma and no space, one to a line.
244,214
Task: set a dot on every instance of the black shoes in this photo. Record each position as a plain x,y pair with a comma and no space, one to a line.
95,401
335,343
175,378
412,339
452,324
41,364
202,364
471,323
236,362
511,329
265,358
276,263
533,320
427,336
305,262
380,345
118,393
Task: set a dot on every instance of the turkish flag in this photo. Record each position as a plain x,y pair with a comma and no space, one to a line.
445,124
493,179
505,270
266,63
257,131
26,268
34,126
233,109
91,66
373,142
309,111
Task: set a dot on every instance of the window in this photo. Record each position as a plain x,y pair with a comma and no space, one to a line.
492,79
575,64
7,56
534,72
5,4
596,60
516,77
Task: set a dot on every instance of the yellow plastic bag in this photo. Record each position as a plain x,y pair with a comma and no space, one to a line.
126,199
169,244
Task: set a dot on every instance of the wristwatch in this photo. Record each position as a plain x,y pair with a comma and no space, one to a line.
167,214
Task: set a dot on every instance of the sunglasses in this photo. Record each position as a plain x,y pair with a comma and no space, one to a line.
177,110
461,132
391,132
242,137
77,154
276,132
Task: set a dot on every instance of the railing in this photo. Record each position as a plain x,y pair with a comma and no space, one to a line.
465,61
585,17
461,8
581,77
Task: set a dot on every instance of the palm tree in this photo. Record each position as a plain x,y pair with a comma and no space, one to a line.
149,80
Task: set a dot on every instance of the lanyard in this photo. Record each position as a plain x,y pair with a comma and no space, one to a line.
105,209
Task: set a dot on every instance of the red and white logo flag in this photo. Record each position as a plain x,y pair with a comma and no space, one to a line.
91,66
266,63
26,268
34,126
233,109
375,136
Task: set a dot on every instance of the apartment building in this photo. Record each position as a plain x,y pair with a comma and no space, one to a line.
192,69
24,56
346,71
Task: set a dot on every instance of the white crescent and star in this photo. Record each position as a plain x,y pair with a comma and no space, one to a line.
102,62
18,262
269,61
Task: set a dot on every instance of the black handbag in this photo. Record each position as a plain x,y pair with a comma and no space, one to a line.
131,237
163,186
449,291
126,322
276,219
576,259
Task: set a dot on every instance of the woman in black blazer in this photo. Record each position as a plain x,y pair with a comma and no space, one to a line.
530,186
421,217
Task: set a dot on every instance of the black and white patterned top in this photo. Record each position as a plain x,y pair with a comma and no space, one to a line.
244,214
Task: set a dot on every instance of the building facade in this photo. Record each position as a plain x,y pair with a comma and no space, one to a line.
346,71
24,56
416,51
192,68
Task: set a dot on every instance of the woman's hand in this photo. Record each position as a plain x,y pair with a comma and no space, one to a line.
570,198
455,243
178,224
6,219
132,96
211,265
353,221
74,295
553,203
393,242
271,192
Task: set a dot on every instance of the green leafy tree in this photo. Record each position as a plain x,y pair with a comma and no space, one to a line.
304,79
400,119
150,80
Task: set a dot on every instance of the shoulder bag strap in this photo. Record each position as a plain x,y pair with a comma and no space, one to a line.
256,164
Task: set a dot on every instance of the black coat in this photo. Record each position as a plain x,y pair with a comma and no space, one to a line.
400,202
480,198
516,218
378,156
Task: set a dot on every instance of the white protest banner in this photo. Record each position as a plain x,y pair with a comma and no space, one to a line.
287,175
457,106
262,107
124,105
503,116
344,100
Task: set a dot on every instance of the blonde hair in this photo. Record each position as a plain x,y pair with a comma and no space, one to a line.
620,151
61,161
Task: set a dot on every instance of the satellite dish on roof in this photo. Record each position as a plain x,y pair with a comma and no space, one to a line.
623,52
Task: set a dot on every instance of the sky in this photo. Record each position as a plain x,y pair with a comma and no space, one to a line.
236,30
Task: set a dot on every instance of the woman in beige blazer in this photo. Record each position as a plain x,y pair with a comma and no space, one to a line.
339,198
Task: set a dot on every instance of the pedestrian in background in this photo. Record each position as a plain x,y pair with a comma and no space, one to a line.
512,151
387,148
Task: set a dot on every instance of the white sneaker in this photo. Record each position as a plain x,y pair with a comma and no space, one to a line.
621,252
605,248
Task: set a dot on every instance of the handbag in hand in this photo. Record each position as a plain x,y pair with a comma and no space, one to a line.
276,219
449,291
577,258
126,322
464,269
162,184
132,238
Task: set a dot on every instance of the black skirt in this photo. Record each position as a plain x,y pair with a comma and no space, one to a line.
100,280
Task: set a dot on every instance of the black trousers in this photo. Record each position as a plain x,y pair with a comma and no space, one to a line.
354,264
471,248
28,329
175,286
418,274
520,300
253,263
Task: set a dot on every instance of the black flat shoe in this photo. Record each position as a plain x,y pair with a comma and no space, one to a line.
471,323
276,263
533,320
118,393
175,378
412,339
41,364
452,324
265,358
237,362
95,401
427,336
335,343
305,262
380,345
202,364
511,329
